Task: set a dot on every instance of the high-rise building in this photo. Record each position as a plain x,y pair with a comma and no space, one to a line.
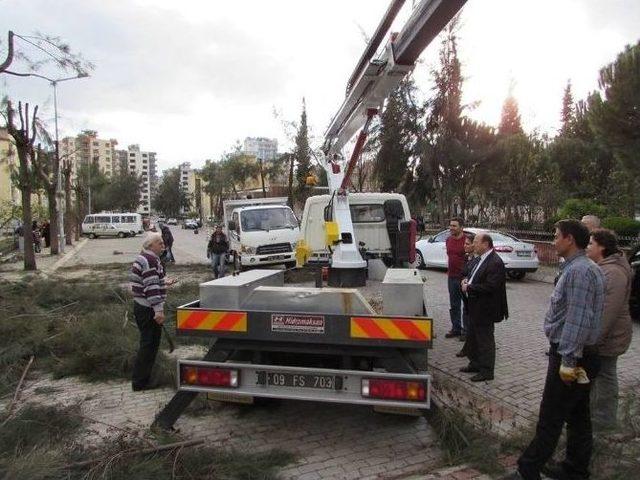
88,147
184,168
260,147
141,164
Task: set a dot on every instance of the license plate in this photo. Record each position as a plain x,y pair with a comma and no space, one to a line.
276,257
299,380
524,254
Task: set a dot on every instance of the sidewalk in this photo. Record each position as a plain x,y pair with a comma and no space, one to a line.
46,263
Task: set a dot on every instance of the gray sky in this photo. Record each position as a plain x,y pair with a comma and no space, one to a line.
187,79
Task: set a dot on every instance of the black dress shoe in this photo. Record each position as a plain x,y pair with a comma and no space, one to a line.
469,369
513,476
142,388
461,354
481,377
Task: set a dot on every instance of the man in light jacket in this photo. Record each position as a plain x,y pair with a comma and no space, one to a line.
615,336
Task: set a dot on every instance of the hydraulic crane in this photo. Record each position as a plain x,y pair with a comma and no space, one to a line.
372,81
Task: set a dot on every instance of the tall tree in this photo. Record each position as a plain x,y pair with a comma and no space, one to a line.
396,137
123,191
614,117
510,123
567,114
47,167
24,138
302,152
171,197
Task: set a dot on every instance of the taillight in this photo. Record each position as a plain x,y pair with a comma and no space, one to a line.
504,249
394,389
208,377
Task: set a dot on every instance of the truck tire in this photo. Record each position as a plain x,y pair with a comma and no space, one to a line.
93,235
121,234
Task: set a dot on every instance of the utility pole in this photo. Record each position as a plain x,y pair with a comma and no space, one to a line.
264,190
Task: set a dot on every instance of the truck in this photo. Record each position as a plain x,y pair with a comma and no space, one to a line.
324,344
261,231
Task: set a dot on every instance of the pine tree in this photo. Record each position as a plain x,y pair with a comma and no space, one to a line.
510,123
302,152
568,112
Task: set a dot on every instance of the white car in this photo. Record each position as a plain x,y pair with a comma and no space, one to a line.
518,257
172,221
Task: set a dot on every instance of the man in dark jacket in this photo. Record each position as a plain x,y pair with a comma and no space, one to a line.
217,249
167,238
487,300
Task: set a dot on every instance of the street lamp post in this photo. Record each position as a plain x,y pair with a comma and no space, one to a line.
59,196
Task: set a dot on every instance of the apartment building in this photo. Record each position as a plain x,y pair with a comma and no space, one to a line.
261,147
8,161
87,147
142,164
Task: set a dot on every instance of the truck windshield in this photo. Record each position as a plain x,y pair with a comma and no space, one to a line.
266,219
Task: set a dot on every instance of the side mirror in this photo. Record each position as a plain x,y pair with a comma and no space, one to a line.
231,225
431,239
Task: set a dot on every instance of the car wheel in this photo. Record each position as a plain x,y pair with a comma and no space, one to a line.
419,263
516,275
93,235
121,234
289,264
132,233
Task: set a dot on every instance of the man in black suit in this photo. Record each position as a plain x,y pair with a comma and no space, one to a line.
487,300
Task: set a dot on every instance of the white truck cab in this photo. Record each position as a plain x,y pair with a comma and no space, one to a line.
261,231
373,215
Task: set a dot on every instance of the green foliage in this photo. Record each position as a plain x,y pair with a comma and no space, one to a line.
614,116
395,137
578,208
510,123
623,226
171,198
302,152
39,425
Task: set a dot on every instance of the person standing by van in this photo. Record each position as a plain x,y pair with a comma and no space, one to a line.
456,260
217,249
167,238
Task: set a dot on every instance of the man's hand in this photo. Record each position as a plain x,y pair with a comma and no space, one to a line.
170,281
159,318
568,374
464,285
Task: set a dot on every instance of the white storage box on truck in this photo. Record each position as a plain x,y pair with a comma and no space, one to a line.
262,231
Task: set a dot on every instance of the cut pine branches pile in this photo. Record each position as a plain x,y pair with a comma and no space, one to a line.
42,443
79,329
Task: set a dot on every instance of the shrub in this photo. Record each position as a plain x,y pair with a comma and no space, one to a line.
623,226
579,207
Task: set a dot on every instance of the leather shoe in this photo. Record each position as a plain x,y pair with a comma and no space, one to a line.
513,476
556,471
481,377
451,334
461,354
142,388
469,369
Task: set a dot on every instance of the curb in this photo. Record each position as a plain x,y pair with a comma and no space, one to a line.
67,256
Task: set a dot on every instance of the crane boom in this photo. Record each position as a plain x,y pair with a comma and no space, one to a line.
370,84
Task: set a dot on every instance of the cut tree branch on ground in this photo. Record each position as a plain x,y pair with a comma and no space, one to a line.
144,451
17,392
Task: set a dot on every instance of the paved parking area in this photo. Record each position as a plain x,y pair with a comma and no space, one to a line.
342,441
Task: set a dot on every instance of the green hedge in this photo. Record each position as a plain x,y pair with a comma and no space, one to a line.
623,226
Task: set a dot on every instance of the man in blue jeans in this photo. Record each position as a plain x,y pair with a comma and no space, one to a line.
456,261
217,249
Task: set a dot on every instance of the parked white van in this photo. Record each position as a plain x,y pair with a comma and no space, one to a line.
373,216
112,224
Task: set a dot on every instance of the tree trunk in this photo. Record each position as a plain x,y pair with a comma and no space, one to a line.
27,221
264,190
68,217
53,222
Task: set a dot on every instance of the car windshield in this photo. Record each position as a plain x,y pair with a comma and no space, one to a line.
266,219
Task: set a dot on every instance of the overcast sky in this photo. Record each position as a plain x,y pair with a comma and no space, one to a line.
188,78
